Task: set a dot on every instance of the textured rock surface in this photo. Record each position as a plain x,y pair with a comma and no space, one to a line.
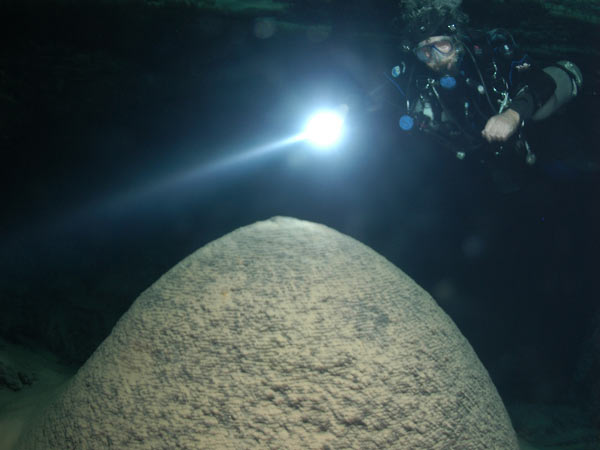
12,374
282,334
9,377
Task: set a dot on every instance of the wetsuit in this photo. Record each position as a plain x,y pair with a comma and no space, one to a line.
493,74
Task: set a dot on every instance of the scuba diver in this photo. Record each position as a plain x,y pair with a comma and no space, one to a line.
474,91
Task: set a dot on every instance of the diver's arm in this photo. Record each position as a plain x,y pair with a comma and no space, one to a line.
501,127
536,88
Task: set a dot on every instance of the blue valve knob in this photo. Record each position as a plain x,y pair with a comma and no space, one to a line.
406,122
448,82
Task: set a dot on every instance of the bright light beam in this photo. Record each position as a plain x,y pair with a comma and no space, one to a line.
203,172
130,199
324,129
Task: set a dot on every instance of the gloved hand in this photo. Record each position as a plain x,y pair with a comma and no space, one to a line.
501,127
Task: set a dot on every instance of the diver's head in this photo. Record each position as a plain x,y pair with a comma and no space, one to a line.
439,53
425,23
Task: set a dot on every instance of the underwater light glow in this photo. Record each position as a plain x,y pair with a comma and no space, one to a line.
324,129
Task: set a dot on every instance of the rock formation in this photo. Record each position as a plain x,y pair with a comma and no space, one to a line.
282,334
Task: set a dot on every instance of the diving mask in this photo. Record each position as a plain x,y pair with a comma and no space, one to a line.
434,50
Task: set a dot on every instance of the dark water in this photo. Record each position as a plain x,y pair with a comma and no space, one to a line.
123,137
